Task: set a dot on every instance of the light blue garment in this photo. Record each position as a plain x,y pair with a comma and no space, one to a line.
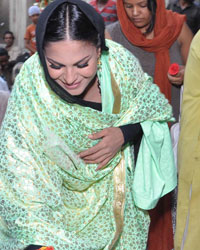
155,173
3,84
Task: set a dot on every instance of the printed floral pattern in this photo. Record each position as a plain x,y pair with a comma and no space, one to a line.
48,196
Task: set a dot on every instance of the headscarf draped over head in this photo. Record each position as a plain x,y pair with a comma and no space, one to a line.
94,18
167,28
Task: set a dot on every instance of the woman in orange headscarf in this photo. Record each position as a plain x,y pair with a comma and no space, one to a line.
157,37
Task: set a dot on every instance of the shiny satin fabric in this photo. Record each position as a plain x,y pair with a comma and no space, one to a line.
48,195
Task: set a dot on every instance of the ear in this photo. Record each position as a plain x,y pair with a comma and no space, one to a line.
98,52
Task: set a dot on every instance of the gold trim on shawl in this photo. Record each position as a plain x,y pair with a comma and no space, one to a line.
117,95
119,199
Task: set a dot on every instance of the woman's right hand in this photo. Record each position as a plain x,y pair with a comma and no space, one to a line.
178,78
111,142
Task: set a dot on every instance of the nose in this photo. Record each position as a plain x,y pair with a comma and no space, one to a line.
135,11
69,75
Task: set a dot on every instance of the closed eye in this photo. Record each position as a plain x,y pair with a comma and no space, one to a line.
80,66
143,5
128,6
53,66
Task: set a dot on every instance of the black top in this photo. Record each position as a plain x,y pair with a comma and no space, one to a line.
131,132
192,13
33,247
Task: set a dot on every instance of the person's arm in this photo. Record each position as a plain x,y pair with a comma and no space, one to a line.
131,133
184,41
28,46
190,115
188,146
33,247
27,40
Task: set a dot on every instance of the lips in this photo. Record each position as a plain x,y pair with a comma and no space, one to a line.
136,20
71,86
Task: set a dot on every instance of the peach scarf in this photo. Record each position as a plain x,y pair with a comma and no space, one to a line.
167,28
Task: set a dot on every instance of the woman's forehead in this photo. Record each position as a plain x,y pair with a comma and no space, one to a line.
69,51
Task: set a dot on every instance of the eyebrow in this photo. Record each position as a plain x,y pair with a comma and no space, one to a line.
62,65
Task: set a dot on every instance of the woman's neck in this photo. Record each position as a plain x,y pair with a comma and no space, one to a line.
93,93
147,35
150,35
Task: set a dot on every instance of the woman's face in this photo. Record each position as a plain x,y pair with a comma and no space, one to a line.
72,64
138,13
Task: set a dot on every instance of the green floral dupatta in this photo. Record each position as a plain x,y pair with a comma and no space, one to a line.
48,195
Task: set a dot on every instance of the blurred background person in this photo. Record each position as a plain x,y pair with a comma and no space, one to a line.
13,50
6,67
107,9
167,2
3,84
4,95
187,227
190,9
157,37
30,40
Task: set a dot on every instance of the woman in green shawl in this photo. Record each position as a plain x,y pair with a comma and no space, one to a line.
68,141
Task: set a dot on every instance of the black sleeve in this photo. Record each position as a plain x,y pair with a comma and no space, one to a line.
133,133
32,247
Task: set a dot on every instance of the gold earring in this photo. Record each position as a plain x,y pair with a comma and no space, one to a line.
99,62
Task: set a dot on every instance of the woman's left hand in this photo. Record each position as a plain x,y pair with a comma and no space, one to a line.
178,78
106,149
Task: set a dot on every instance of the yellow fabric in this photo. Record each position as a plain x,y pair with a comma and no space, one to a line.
189,155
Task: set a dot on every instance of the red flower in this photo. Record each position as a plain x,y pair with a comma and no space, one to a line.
173,69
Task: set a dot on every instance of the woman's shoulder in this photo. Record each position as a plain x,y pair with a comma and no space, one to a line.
112,27
116,49
184,39
185,34
122,61
120,55
32,61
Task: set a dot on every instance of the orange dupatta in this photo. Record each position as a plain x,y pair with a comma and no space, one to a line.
167,28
